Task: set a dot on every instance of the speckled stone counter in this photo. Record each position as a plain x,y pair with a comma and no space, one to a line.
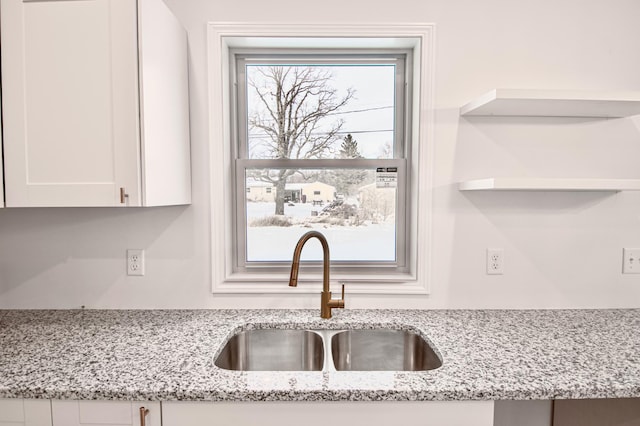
168,355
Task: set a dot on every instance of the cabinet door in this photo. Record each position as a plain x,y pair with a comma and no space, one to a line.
596,412
70,94
25,412
1,172
86,413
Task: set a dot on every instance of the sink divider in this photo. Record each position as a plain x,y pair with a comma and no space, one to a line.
327,338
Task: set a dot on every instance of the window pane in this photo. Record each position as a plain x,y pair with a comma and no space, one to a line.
308,111
357,218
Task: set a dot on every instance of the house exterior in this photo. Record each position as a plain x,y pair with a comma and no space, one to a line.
258,191
316,192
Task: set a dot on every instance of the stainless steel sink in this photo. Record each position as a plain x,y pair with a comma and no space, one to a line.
382,350
273,350
327,350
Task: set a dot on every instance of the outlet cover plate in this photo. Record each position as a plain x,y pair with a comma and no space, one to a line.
631,261
495,261
135,262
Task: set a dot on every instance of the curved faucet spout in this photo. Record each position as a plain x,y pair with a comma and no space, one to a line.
293,278
326,303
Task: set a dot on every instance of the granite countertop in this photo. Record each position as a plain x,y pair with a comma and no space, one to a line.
168,355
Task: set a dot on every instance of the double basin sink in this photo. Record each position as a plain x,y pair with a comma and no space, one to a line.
327,350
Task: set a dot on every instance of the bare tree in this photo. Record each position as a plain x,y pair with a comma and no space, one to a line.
294,118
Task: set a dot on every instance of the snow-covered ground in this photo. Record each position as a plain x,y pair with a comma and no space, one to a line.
298,210
370,242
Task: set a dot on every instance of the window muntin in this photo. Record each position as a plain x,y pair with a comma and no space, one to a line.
355,138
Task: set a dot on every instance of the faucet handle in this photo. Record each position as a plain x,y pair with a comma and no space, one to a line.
339,303
327,303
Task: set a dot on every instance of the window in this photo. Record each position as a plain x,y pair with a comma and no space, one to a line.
355,165
313,125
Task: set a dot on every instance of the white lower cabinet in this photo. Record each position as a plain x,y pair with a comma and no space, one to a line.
44,412
25,412
81,413
430,413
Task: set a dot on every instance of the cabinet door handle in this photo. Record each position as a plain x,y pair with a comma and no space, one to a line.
123,196
143,416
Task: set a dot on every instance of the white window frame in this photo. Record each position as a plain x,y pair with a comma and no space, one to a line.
400,59
222,39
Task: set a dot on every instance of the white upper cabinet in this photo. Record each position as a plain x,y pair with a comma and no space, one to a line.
95,104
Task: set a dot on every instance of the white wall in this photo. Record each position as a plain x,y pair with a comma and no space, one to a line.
561,249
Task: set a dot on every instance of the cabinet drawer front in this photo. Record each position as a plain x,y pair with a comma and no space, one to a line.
101,412
25,412
286,413
11,410
81,413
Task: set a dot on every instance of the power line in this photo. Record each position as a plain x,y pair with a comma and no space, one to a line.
364,131
342,132
361,110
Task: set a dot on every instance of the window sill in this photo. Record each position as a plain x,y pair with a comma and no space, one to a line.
242,283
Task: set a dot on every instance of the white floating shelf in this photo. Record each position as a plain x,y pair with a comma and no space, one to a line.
555,103
544,184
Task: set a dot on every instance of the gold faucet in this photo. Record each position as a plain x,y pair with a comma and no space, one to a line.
326,302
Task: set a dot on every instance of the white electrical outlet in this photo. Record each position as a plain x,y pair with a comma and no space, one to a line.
631,261
495,261
135,262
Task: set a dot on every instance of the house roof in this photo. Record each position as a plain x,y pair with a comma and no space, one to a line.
295,186
258,184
